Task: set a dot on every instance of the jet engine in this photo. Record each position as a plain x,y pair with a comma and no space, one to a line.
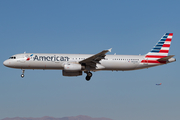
71,73
72,69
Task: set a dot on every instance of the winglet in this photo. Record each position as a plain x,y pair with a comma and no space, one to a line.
110,49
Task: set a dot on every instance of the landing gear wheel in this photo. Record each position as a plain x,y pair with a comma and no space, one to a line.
88,78
89,75
22,75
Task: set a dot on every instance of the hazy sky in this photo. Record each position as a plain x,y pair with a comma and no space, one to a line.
82,26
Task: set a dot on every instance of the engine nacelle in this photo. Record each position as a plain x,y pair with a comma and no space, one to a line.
71,73
72,67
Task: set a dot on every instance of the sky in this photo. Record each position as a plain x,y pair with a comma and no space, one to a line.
88,27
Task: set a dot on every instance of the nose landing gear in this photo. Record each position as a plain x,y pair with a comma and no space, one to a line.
89,75
22,75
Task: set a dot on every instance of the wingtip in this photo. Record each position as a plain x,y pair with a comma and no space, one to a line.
110,49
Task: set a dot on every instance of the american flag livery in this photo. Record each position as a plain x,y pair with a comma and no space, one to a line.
160,50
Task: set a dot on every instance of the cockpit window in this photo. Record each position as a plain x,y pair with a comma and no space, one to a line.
12,57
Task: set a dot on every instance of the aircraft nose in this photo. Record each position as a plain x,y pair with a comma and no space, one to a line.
5,63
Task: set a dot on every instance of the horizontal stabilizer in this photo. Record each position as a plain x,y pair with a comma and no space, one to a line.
165,58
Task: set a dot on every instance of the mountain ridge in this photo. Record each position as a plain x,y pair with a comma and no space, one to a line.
79,117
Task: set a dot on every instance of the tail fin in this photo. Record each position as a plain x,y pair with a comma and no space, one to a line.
161,49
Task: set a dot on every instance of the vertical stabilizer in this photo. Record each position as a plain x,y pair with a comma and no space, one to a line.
160,50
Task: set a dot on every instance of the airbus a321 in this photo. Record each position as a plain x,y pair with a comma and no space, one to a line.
76,64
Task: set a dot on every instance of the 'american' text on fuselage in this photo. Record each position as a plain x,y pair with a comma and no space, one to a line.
51,58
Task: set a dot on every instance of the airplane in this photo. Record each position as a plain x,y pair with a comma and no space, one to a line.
159,84
76,64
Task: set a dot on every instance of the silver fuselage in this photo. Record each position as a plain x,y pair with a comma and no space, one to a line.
57,61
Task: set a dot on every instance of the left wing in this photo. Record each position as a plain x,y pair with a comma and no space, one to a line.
91,61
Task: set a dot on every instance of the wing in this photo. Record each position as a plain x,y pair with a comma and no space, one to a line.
93,60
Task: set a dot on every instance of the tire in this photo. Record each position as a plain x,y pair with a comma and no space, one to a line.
22,75
88,78
89,74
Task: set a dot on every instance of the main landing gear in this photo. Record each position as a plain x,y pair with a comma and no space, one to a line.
22,75
89,75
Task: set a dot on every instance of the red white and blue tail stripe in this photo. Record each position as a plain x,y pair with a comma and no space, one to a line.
160,50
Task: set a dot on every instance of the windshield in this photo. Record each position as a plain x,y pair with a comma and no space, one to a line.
12,57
